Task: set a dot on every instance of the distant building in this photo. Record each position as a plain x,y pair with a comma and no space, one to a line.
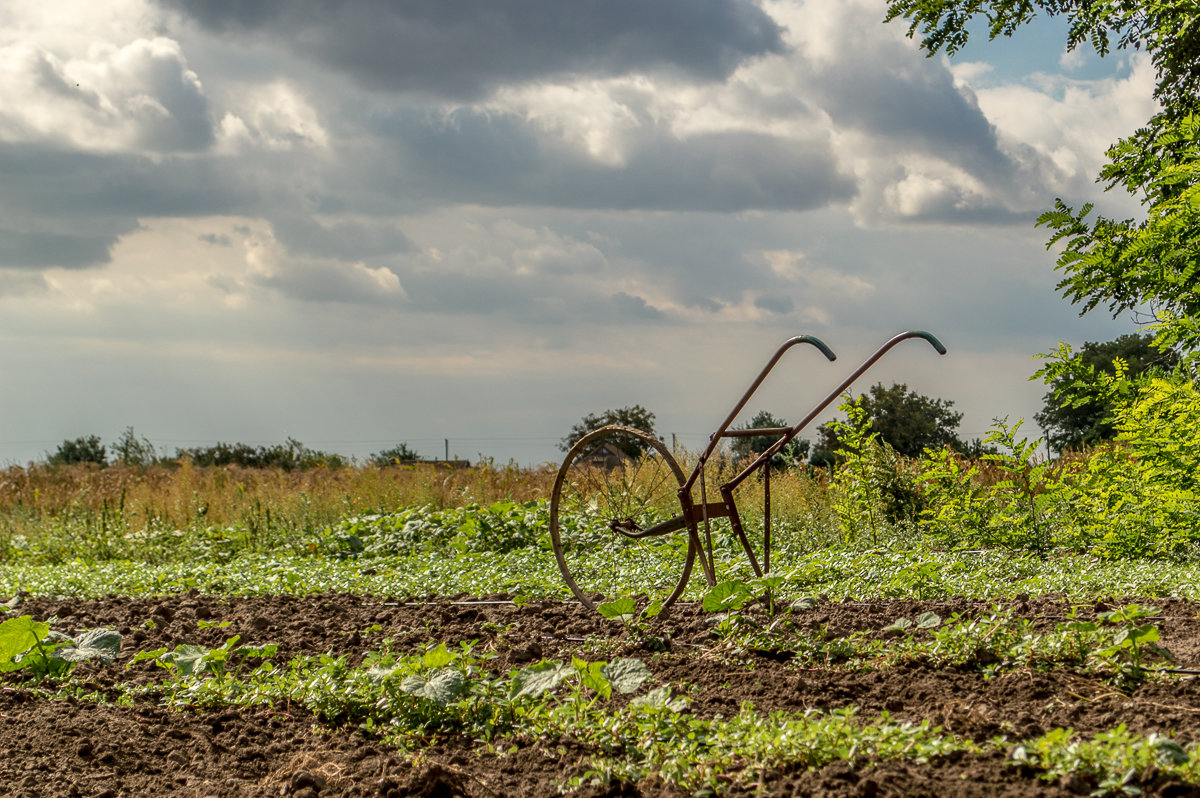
606,456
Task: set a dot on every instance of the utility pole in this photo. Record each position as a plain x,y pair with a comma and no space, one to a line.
447,442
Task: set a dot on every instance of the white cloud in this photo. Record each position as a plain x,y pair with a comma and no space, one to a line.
273,117
794,266
135,98
1070,124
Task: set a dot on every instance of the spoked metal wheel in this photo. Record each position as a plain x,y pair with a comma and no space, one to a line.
615,484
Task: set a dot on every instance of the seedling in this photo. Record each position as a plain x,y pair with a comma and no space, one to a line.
1133,643
187,660
625,610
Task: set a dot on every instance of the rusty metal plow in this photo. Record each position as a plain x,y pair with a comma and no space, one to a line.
612,488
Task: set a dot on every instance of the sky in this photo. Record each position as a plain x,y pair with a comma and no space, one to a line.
465,224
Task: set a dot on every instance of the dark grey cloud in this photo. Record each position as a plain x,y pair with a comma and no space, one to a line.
881,87
353,284
457,291
67,208
498,159
920,108
463,48
775,303
351,240
633,307
25,249
51,181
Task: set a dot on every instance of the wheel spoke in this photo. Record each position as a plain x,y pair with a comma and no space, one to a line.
595,502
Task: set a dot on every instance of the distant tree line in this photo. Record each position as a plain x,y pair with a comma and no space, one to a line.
292,455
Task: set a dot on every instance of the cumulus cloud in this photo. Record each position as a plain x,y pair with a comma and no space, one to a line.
1067,125
138,97
272,117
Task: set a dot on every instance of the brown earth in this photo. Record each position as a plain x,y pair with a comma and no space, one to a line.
80,748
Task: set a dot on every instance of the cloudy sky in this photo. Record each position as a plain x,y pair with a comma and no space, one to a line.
366,222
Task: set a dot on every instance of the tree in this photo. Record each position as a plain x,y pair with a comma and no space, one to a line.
130,451
748,448
1075,415
906,420
1126,265
397,454
80,450
634,416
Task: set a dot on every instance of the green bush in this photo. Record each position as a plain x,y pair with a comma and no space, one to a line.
80,450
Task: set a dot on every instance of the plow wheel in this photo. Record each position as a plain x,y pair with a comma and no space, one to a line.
615,483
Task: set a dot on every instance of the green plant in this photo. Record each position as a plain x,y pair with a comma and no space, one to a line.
626,611
187,660
1078,409
34,647
1025,489
858,479
958,508
1134,645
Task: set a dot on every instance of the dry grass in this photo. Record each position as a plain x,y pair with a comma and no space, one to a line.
181,496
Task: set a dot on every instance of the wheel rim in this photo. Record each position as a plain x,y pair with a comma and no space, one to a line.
596,495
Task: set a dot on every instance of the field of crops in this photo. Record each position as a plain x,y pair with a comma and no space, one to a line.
407,632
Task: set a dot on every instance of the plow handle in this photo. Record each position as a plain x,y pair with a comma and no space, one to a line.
715,438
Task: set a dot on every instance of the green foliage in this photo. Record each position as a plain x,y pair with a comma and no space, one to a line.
1025,492
959,508
1020,508
1114,761
81,450
626,611
1129,265
188,660
498,527
396,455
1135,498
1141,498
872,485
1134,644
17,637
291,455
1079,407
1024,505
858,482
634,416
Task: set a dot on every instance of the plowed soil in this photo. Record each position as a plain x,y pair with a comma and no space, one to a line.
79,748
